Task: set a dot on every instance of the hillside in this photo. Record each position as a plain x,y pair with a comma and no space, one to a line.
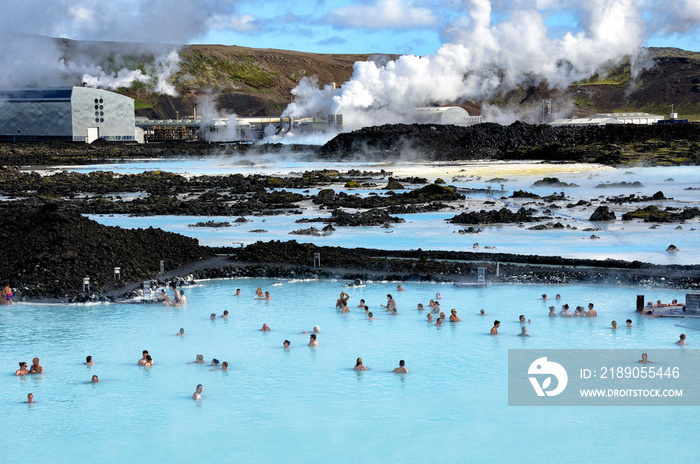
257,82
247,81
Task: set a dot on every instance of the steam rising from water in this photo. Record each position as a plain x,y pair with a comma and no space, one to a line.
480,59
30,58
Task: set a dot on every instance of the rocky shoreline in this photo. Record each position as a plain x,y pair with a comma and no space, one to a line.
53,247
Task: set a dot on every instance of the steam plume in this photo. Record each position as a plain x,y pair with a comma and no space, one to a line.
480,59
31,58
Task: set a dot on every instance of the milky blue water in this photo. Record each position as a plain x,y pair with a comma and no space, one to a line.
307,403
626,240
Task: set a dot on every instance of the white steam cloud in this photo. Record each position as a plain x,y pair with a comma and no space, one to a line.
481,58
31,58
158,75
217,126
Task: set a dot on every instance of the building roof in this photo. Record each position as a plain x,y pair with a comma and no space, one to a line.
626,115
592,121
37,94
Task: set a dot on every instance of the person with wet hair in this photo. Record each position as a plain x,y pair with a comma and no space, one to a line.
22,369
401,369
197,395
390,303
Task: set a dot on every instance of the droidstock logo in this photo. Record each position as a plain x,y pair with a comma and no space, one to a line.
541,367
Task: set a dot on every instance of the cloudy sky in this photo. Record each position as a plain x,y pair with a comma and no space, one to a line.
331,26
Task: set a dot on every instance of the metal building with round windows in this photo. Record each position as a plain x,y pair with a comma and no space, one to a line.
80,114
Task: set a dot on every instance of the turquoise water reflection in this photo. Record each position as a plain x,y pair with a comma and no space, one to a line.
308,404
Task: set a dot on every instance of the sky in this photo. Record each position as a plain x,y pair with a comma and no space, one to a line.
417,27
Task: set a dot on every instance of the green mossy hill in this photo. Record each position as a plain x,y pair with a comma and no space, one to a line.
53,248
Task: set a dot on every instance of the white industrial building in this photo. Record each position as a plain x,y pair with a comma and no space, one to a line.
445,115
66,113
601,119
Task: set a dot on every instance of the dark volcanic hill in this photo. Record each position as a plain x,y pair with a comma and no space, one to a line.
615,144
50,249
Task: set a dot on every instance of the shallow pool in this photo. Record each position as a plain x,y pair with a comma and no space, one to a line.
307,404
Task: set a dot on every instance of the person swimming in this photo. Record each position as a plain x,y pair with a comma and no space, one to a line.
181,333
420,307
36,367
438,322
430,317
312,340
401,369
591,312
225,314
370,316
224,366
95,379
30,398
681,341
579,312
212,316
629,323
482,313
523,332
644,359
494,329
199,359
437,296
149,361
286,344
22,369
399,288
197,395
565,312
142,361
259,293
238,292
359,366
88,361
614,325
214,362
183,298
552,312
453,316
361,305
265,328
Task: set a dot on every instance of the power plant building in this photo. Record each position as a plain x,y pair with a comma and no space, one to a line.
601,119
80,114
